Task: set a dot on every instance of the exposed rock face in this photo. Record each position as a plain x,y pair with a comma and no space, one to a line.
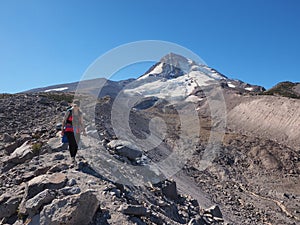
9,205
34,204
121,147
42,182
18,156
73,210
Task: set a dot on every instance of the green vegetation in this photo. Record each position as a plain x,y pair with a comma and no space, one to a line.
2,96
36,147
68,97
284,89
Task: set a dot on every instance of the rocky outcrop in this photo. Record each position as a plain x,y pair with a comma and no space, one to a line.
19,155
34,204
71,210
9,205
125,149
42,182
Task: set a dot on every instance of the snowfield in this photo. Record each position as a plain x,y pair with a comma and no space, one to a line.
173,89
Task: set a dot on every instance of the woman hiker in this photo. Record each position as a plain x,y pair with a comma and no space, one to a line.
72,126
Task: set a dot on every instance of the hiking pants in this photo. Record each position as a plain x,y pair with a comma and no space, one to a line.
73,142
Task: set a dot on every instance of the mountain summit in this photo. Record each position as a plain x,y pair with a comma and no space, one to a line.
178,78
173,66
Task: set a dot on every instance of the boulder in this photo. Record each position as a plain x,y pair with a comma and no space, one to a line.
70,190
117,143
58,157
8,138
58,168
215,211
71,210
71,182
135,210
130,153
35,220
56,145
47,181
10,147
22,151
9,205
19,155
34,204
169,189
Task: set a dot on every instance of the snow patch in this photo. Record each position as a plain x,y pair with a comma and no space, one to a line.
193,98
57,89
231,85
249,88
157,70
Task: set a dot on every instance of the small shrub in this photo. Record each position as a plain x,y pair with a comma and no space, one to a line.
36,147
2,96
58,97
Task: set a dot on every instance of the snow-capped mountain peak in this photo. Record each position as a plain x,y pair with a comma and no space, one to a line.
172,66
177,78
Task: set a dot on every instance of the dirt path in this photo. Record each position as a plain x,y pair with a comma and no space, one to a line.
278,203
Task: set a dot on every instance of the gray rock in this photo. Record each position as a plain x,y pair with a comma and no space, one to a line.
42,182
215,211
9,205
56,145
116,192
134,210
20,155
34,204
169,189
71,182
8,138
22,151
58,157
71,190
119,143
35,220
10,147
71,210
58,168
130,153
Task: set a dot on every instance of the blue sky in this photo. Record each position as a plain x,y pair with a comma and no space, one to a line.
52,42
